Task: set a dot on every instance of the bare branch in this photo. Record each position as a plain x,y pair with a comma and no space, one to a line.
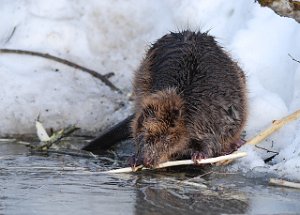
267,150
66,62
182,162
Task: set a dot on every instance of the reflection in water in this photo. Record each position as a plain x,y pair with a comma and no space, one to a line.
166,198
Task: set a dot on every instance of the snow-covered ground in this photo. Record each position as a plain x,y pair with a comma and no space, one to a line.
112,36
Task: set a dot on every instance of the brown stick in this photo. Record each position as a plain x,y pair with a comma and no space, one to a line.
277,124
66,62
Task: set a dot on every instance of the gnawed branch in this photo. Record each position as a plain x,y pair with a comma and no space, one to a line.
66,62
182,162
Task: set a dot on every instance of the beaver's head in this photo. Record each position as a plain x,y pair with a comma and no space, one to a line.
159,128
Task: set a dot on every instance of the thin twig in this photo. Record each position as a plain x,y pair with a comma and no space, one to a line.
109,75
284,183
46,141
268,150
293,58
11,35
277,124
66,62
182,162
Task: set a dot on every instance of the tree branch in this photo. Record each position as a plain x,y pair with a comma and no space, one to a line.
182,162
66,62
276,124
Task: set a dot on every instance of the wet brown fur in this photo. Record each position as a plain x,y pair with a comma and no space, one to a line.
189,97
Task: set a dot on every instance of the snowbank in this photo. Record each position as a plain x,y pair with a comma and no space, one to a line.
112,36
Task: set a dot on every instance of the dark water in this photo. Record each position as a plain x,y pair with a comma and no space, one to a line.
32,183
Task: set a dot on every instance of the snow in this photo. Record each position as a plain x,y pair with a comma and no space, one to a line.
112,36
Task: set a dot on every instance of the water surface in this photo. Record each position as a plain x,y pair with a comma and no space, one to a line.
34,183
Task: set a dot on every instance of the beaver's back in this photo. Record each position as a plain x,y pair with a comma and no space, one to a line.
209,82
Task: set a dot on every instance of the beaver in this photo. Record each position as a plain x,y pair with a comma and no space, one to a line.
190,101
